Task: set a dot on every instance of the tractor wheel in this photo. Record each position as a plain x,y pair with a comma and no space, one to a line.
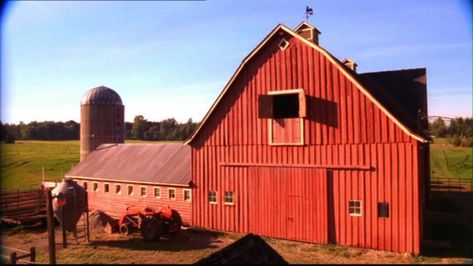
151,228
124,229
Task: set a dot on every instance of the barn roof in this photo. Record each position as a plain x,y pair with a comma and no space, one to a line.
141,163
250,249
351,75
402,90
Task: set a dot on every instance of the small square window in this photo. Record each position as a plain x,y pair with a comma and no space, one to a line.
354,207
143,191
130,190
118,189
96,187
106,187
283,44
228,197
172,193
383,209
84,185
157,192
213,197
187,195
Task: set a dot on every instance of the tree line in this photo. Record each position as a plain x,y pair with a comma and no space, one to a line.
140,129
458,132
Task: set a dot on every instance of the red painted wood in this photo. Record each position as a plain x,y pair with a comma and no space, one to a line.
115,204
344,128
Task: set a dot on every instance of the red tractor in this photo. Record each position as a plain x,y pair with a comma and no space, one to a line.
152,224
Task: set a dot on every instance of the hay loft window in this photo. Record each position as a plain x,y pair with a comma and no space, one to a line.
228,198
172,193
106,187
118,189
354,207
187,195
130,190
285,111
143,191
95,187
157,192
213,197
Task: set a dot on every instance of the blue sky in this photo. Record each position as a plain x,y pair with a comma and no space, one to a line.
172,58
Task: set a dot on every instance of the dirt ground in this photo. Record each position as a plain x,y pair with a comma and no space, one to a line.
188,246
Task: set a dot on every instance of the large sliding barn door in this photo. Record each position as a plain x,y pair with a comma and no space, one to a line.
288,203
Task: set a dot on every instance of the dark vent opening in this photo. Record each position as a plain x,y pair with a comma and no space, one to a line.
383,209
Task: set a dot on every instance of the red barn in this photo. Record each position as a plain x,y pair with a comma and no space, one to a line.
118,176
300,146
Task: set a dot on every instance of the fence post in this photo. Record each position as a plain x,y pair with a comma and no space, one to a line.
51,230
33,254
13,258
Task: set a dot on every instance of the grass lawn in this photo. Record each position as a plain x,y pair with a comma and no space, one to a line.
449,161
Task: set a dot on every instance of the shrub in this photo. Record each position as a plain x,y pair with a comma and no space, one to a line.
455,141
466,142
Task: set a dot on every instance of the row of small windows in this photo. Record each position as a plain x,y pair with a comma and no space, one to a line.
227,197
355,208
143,190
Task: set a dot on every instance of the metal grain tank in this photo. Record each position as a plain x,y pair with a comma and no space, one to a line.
74,196
102,119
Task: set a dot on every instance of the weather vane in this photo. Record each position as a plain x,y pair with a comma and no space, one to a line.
308,12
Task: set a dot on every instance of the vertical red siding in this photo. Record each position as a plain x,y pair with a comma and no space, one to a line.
115,204
343,128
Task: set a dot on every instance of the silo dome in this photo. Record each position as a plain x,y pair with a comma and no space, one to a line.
102,119
101,95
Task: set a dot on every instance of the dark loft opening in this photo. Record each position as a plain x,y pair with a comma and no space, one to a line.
286,106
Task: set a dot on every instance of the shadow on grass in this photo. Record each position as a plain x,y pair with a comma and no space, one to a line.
184,240
449,222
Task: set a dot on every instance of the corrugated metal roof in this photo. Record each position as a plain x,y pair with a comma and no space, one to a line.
153,163
101,95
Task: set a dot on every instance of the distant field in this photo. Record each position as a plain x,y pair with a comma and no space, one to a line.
449,161
22,163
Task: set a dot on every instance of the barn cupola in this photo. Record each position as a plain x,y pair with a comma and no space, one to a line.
308,32
350,64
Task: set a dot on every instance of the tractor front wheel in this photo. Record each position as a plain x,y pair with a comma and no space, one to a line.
151,228
124,229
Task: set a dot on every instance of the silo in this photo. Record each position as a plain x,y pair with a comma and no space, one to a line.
102,119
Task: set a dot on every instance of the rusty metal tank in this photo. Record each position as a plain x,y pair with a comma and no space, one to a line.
102,119
75,203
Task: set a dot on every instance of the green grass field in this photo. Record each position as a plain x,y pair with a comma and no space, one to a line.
449,161
22,163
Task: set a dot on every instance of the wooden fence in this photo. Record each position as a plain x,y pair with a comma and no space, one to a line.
17,255
450,184
23,206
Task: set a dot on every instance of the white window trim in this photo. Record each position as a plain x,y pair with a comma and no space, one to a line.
361,208
216,197
301,121
154,192
233,199
120,192
128,190
184,194
146,191
93,187
106,184
283,44
169,194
